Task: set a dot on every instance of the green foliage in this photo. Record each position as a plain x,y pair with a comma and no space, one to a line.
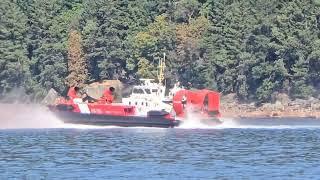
251,48
257,47
186,10
14,64
149,46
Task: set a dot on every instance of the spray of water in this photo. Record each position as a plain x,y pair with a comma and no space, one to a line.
24,116
17,112
15,116
193,121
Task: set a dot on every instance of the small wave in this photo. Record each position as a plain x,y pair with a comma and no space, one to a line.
80,126
269,123
229,123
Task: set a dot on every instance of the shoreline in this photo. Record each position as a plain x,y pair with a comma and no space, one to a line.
270,114
272,117
231,108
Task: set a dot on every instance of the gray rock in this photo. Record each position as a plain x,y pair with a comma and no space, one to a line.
283,98
50,98
278,106
229,98
267,107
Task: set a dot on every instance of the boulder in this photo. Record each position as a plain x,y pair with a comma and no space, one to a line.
50,97
315,106
96,89
229,98
283,98
267,107
278,106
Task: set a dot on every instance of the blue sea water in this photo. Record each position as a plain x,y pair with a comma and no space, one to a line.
238,152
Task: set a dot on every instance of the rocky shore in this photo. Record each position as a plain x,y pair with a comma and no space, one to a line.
282,106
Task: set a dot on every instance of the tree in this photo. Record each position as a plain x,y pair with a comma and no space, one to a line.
189,62
105,41
186,10
77,65
150,45
14,64
251,48
48,26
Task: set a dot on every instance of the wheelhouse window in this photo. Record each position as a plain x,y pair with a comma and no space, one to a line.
138,91
147,91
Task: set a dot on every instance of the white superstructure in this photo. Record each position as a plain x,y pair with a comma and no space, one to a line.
147,97
151,95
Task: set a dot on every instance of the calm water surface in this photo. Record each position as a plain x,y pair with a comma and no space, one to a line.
149,153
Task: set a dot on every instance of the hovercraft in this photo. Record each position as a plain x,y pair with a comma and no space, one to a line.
147,106
202,105
78,112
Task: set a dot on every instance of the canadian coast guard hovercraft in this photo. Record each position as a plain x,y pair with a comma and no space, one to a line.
147,106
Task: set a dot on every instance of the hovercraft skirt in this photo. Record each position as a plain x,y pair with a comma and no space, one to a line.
108,120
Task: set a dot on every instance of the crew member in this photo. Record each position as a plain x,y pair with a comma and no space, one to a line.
88,99
73,92
108,95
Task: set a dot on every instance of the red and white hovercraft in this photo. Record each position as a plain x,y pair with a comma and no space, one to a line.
147,106
144,107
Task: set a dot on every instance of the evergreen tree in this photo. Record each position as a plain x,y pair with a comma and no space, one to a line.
251,48
107,26
150,45
14,64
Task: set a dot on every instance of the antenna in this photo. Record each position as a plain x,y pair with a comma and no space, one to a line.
162,65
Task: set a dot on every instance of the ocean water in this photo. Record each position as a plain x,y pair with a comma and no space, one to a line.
242,149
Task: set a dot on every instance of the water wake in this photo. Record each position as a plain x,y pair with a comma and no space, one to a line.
268,124
23,116
194,124
271,123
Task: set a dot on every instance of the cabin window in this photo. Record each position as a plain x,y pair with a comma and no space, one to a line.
146,104
129,102
142,103
138,91
154,90
136,103
148,91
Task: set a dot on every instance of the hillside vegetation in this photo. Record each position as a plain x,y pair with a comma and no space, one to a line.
252,48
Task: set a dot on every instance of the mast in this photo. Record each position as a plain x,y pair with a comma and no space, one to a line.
162,65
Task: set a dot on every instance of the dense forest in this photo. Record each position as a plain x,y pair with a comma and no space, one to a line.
253,48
